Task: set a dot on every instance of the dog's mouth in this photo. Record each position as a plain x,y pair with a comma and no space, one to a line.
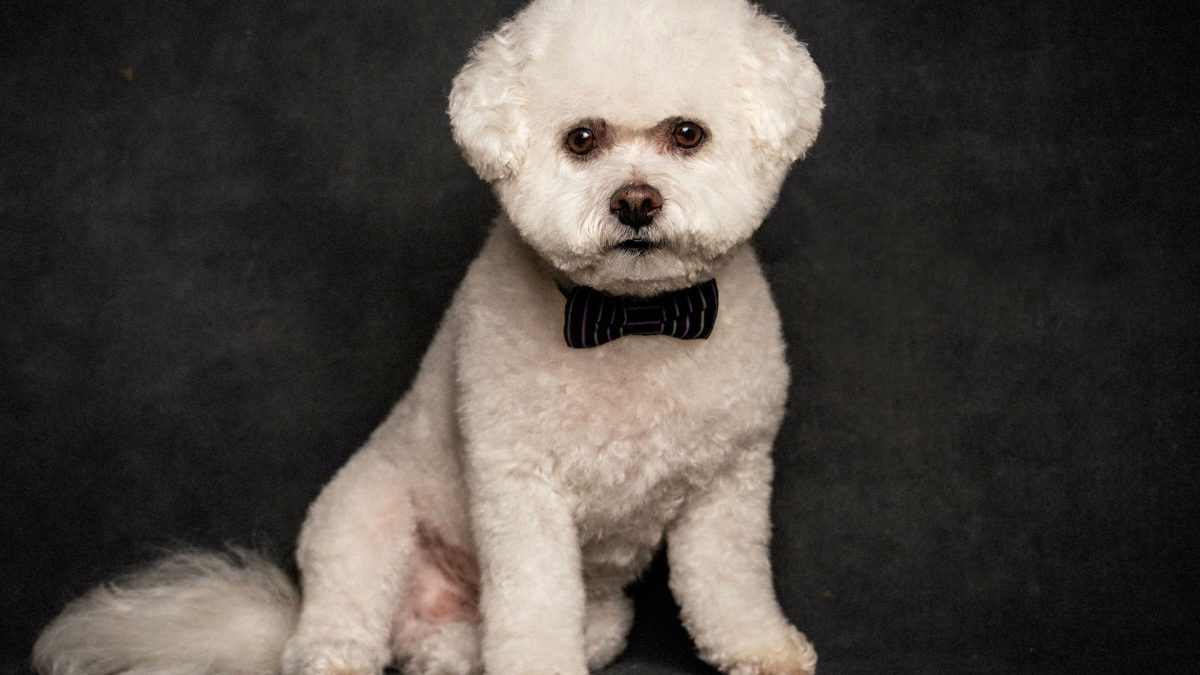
637,246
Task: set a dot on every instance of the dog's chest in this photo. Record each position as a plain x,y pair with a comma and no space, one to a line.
637,427
627,429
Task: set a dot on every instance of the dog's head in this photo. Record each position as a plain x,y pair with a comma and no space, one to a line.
636,144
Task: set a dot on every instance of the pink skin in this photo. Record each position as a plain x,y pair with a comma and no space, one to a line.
445,583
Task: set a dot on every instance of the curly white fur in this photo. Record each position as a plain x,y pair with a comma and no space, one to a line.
494,519
191,612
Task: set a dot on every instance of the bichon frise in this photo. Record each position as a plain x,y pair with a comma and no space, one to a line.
609,376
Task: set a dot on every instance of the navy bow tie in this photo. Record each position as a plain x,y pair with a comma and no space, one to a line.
593,318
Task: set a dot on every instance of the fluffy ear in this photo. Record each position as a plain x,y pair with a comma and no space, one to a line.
487,106
785,92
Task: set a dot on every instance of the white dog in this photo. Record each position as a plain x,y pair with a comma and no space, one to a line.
494,519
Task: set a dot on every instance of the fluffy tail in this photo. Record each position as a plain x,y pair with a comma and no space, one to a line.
188,614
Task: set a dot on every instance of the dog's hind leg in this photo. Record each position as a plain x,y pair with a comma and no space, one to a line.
354,555
605,627
360,545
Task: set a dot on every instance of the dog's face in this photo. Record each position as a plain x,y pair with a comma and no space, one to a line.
637,144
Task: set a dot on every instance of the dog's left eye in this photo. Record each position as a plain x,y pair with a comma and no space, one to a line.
580,141
687,135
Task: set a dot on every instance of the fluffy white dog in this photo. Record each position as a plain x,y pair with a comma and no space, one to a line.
494,519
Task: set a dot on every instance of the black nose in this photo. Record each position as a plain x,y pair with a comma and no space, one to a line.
635,205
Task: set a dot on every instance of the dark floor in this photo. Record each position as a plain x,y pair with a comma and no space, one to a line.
228,230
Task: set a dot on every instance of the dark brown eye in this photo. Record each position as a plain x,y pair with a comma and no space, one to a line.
581,141
687,135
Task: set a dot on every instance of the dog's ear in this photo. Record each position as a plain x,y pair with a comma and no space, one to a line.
785,91
487,106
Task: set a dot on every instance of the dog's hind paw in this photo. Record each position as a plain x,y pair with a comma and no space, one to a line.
331,657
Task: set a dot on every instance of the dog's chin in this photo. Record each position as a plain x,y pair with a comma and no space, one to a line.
644,267
638,246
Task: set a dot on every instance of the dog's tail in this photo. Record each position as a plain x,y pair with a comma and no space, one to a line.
189,613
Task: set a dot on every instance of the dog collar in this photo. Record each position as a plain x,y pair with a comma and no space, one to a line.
592,318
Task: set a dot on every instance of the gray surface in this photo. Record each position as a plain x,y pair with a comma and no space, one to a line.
216,277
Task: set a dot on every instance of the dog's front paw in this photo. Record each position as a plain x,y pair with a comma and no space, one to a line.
792,655
450,649
531,657
331,657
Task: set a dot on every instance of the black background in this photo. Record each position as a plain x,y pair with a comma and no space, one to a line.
219,269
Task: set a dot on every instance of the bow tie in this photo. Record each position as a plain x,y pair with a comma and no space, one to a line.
593,318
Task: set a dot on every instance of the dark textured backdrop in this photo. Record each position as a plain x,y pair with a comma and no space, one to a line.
229,229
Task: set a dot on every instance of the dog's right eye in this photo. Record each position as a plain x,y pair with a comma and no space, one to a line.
581,141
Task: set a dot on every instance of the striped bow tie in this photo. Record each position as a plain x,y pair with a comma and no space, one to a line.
593,318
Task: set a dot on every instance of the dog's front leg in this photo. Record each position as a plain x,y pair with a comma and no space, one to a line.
531,586
720,573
